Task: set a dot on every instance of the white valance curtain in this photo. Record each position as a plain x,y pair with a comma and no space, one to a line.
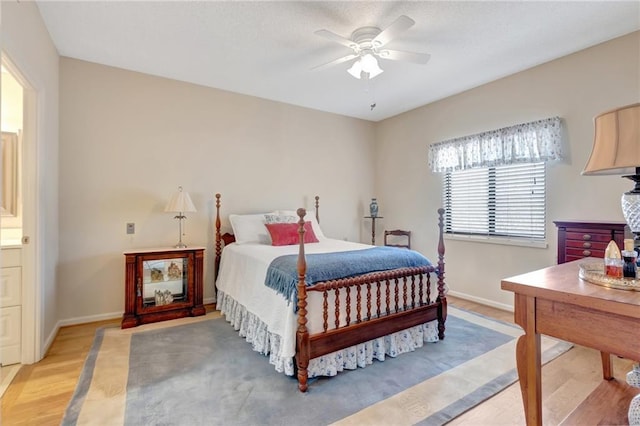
533,142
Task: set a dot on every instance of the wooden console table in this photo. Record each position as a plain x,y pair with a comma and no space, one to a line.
555,302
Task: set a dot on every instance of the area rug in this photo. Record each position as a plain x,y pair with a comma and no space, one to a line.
198,371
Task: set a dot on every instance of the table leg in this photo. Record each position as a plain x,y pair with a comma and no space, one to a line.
607,372
373,231
528,360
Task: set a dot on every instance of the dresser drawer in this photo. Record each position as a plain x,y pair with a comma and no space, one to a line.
10,319
10,338
578,240
587,245
580,253
10,286
580,235
11,257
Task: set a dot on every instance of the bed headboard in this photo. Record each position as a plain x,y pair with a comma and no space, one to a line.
228,238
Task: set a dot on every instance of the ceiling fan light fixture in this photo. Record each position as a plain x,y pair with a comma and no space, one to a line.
368,64
369,42
356,69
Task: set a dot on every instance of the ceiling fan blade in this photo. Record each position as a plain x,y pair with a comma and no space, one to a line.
335,62
400,25
398,55
337,38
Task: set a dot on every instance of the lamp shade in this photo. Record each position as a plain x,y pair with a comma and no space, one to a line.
180,202
616,145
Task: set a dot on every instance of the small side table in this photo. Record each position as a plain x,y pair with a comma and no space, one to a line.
373,227
162,284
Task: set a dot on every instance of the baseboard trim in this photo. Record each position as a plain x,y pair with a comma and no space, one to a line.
50,339
482,301
104,317
89,318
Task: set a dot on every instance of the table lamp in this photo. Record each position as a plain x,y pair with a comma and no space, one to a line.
616,150
180,203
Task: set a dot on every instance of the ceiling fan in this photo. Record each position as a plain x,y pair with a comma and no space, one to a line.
368,43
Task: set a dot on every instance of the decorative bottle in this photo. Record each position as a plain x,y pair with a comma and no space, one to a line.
613,260
373,208
629,256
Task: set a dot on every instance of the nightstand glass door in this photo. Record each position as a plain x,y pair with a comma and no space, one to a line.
165,281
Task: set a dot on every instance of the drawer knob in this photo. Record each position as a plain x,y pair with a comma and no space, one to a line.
586,245
586,253
586,237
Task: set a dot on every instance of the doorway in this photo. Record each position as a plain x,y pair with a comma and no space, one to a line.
19,336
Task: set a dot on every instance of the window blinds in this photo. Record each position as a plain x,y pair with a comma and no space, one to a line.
503,201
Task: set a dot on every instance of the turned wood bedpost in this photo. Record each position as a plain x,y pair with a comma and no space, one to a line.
442,298
218,251
302,341
317,209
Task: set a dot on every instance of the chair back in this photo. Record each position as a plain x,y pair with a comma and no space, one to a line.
397,238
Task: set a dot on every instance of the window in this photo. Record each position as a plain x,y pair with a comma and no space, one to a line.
501,201
494,182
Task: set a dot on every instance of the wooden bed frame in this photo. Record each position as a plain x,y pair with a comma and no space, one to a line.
377,313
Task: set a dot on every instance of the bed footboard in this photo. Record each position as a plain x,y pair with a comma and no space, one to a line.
374,305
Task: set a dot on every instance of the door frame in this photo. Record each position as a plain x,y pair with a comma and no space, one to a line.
31,337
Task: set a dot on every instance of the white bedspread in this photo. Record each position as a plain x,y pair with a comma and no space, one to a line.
268,321
243,268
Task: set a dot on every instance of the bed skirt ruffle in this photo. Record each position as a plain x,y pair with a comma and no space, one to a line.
256,333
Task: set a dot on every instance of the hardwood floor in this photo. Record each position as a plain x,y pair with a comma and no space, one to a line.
39,393
566,382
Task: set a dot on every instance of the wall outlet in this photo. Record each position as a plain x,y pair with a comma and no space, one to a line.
131,228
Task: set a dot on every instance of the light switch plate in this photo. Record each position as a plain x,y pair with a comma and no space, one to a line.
131,228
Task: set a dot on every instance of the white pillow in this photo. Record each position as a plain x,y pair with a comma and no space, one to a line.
310,216
249,228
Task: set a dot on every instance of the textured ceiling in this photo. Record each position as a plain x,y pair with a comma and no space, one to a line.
267,49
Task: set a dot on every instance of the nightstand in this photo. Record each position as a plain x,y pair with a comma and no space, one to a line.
163,284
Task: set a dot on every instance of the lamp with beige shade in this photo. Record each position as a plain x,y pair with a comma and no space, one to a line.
616,150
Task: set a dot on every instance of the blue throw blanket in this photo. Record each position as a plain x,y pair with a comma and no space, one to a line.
282,274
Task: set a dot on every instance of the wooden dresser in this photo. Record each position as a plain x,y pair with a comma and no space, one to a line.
577,240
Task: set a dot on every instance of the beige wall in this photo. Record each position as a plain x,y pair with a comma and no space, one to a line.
26,41
127,140
576,88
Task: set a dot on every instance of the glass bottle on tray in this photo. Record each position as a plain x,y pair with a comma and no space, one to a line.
629,257
613,260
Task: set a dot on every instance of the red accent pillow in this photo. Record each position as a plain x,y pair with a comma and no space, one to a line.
285,234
